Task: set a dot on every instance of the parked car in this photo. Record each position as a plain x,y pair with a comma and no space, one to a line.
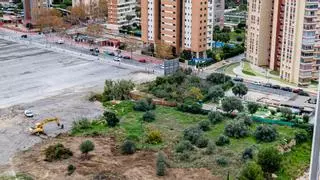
91,49
303,93
142,60
126,57
276,86
111,54
297,90
286,89
28,113
24,36
60,41
257,83
238,79
269,85
95,54
161,66
96,50
117,59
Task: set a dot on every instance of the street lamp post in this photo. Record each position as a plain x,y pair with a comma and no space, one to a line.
314,166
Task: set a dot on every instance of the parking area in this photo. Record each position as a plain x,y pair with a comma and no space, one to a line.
51,84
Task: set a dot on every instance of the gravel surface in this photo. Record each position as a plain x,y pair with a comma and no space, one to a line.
52,84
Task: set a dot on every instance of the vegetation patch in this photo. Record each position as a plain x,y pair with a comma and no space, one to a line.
57,152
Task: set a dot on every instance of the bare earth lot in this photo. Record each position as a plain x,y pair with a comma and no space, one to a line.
50,84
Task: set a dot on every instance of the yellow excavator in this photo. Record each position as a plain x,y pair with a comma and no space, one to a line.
39,127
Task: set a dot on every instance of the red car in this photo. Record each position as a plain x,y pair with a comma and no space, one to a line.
142,60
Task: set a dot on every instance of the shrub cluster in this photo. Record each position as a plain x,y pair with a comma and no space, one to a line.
237,129
161,164
222,161
222,140
149,116
301,137
57,152
215,117
265,133
154,137
118,90
111,118
128,147
71,168
86,147
184,146
247,154
192,134
204,125
144,105
191,107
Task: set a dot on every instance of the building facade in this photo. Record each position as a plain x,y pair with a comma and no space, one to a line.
183,24
122,12
31,9
283,35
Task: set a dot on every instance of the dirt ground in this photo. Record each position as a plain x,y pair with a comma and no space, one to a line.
105,161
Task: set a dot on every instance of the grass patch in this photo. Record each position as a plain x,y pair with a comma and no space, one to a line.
19,176
234,35
171,123
228,69
247,69
295,162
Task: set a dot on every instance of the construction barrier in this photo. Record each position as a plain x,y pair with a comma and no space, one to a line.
271,121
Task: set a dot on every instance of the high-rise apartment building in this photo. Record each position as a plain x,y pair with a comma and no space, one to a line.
282,35
120,12
183,24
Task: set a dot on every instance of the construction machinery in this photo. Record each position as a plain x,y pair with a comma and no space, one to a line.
39,127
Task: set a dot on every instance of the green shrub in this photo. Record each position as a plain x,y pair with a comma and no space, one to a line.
185,156
95,97
247,154
111,118
202,142
269,159
71,168
81,124
210,148
301,137
222,140
204,125
144,105
218,78
161,164
215,117
128,147
252,171
184,146
192,134
273,112
57,152
149,116
154,137
229,104
265,133
118,90
237,129
191,107
305,118
86,147
222,161
253,107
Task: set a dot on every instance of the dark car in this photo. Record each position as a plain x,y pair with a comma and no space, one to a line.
91,49
276,87
126,57
111,54
142,60
286,89
238,79
96,50
24,36
269,85
303,93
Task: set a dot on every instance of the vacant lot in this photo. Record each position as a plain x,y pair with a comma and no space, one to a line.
51,84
